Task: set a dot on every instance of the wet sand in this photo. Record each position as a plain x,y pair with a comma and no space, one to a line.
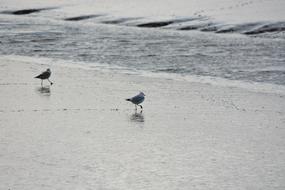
80,133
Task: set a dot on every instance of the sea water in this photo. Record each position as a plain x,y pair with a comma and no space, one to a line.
183,38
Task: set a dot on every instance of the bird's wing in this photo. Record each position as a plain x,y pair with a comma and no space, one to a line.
137,99
44,75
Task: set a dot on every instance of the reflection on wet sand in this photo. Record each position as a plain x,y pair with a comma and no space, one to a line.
137,117
45,91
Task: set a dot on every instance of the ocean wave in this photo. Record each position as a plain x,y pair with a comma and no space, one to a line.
82,17
115,21
199,22
155,24
267,27
157,44
27,11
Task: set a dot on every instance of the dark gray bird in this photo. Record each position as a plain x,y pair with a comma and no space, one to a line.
138,99
45,75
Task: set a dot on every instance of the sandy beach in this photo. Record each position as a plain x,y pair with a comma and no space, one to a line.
80,133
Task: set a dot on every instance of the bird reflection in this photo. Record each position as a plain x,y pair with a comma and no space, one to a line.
45,91
137,117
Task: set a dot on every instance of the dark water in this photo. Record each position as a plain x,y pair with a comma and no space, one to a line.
155,50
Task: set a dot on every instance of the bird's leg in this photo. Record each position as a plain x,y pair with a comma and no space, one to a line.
135,107
50,82
141,106
42,83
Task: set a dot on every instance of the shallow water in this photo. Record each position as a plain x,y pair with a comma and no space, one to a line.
233,40
234,56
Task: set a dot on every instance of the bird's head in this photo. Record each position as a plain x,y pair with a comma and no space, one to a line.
48,70
142,94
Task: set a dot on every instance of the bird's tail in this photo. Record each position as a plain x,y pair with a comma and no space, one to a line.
128,99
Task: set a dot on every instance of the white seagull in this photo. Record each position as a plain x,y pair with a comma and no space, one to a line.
45,75
137,99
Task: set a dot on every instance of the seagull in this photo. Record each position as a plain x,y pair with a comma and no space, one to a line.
45,75
137,99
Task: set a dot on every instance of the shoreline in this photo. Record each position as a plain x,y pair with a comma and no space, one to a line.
257,87
81,133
